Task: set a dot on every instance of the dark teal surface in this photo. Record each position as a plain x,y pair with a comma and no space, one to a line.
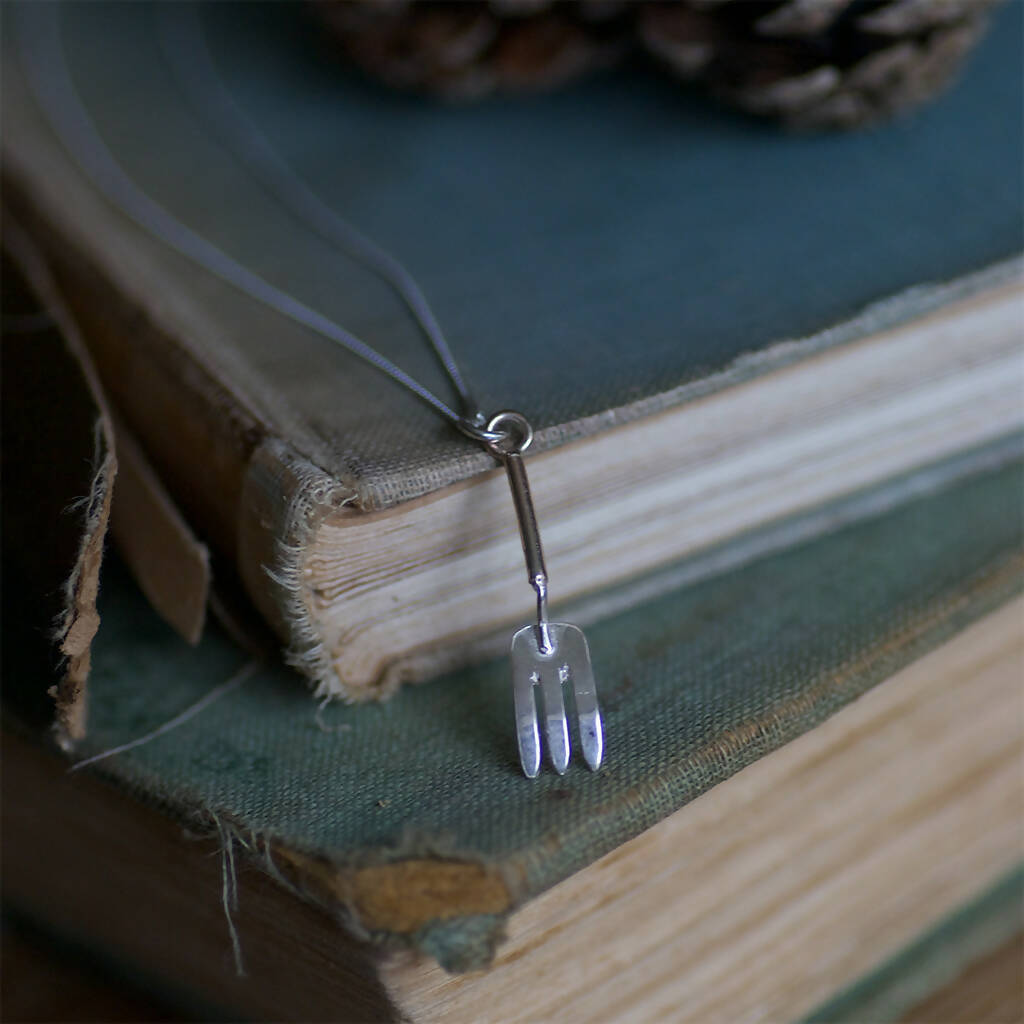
694,686
583,250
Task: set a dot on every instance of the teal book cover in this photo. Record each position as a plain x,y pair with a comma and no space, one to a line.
589,253
615,250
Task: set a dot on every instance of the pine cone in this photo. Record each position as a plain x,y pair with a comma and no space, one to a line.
462,50
809,63
816,63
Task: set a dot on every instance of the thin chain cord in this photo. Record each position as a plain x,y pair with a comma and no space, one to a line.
51,84
183,41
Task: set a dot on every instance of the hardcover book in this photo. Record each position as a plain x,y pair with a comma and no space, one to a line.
812,766
715,329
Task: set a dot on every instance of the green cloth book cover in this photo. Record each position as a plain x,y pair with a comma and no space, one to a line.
697,685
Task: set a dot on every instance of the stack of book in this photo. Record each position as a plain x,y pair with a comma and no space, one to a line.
776,388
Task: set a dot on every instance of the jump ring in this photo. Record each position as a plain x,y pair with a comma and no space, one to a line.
513,429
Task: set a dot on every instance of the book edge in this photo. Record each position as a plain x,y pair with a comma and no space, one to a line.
983,592
284,499
882,315
73,633
681,835
934,959
365,679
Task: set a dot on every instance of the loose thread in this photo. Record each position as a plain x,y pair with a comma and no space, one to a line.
229,892
229,871
269,865
322,725
190,712
271,868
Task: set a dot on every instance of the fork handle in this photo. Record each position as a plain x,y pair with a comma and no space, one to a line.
528,531
529,534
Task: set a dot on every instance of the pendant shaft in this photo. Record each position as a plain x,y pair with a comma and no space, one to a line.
529,534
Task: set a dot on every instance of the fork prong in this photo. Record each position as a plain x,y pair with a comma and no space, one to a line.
556,724
591,727
588,714
527,732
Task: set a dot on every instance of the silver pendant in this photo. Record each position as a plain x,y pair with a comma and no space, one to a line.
546,655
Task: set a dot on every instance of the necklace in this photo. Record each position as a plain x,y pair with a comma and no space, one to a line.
545,655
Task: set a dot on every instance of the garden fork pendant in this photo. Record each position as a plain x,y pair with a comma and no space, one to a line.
546,655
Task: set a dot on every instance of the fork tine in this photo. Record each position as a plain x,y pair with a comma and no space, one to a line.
576,653
588,715
527,731
557,726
